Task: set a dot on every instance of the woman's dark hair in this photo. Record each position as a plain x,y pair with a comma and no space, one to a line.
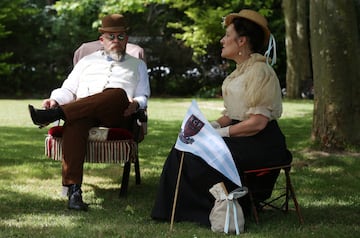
253,31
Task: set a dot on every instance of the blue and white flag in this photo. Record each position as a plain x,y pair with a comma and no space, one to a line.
198,137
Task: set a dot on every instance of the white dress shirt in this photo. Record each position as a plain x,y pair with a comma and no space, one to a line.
94,73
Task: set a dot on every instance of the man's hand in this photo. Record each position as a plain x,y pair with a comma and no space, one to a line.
49,103
132,108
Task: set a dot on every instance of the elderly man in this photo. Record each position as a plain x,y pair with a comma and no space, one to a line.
103,89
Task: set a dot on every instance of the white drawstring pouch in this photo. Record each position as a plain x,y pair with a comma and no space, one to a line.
227,215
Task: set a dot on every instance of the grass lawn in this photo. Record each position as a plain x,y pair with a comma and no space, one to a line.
327,185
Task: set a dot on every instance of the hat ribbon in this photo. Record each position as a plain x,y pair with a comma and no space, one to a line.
271,46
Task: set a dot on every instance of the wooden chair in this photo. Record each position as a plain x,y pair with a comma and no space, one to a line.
121,145
274,202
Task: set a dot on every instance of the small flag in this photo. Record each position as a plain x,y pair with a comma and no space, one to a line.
197,136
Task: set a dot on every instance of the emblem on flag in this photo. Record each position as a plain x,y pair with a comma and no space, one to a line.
192,126
197,136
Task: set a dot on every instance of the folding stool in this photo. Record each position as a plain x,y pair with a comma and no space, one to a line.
270,202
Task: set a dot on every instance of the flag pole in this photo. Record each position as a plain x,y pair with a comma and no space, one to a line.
176,191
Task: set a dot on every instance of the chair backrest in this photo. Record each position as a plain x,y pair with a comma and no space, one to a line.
92,46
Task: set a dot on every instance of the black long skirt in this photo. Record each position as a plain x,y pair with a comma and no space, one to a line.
194,202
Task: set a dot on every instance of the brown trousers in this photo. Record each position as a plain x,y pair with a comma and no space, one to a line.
102,109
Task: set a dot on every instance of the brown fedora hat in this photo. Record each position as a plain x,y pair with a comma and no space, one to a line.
251,16
113,23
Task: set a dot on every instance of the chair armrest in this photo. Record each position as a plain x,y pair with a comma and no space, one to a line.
141,115
139,126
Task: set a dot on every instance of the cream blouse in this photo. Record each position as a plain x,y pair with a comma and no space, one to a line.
252,88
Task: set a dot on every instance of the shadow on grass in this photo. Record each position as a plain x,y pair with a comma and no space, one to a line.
297,131
326,187
21,203
20,145
26,145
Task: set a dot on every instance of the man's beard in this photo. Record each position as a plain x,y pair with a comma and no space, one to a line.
115,55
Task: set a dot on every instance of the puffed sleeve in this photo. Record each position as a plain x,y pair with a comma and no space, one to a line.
263,92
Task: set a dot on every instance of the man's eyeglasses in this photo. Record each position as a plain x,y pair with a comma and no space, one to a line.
112,37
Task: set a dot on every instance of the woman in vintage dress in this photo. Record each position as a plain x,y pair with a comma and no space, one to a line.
253,103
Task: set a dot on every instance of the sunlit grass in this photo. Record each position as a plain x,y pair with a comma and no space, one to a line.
327,185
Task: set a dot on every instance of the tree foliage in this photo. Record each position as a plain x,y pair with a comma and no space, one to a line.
181,40
201,28
201,24
10,13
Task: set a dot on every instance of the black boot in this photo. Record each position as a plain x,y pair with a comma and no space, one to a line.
43,117
75,198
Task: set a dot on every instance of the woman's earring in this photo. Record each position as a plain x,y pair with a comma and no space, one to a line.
240,53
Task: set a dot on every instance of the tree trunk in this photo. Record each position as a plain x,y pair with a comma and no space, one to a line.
298,60
335,56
